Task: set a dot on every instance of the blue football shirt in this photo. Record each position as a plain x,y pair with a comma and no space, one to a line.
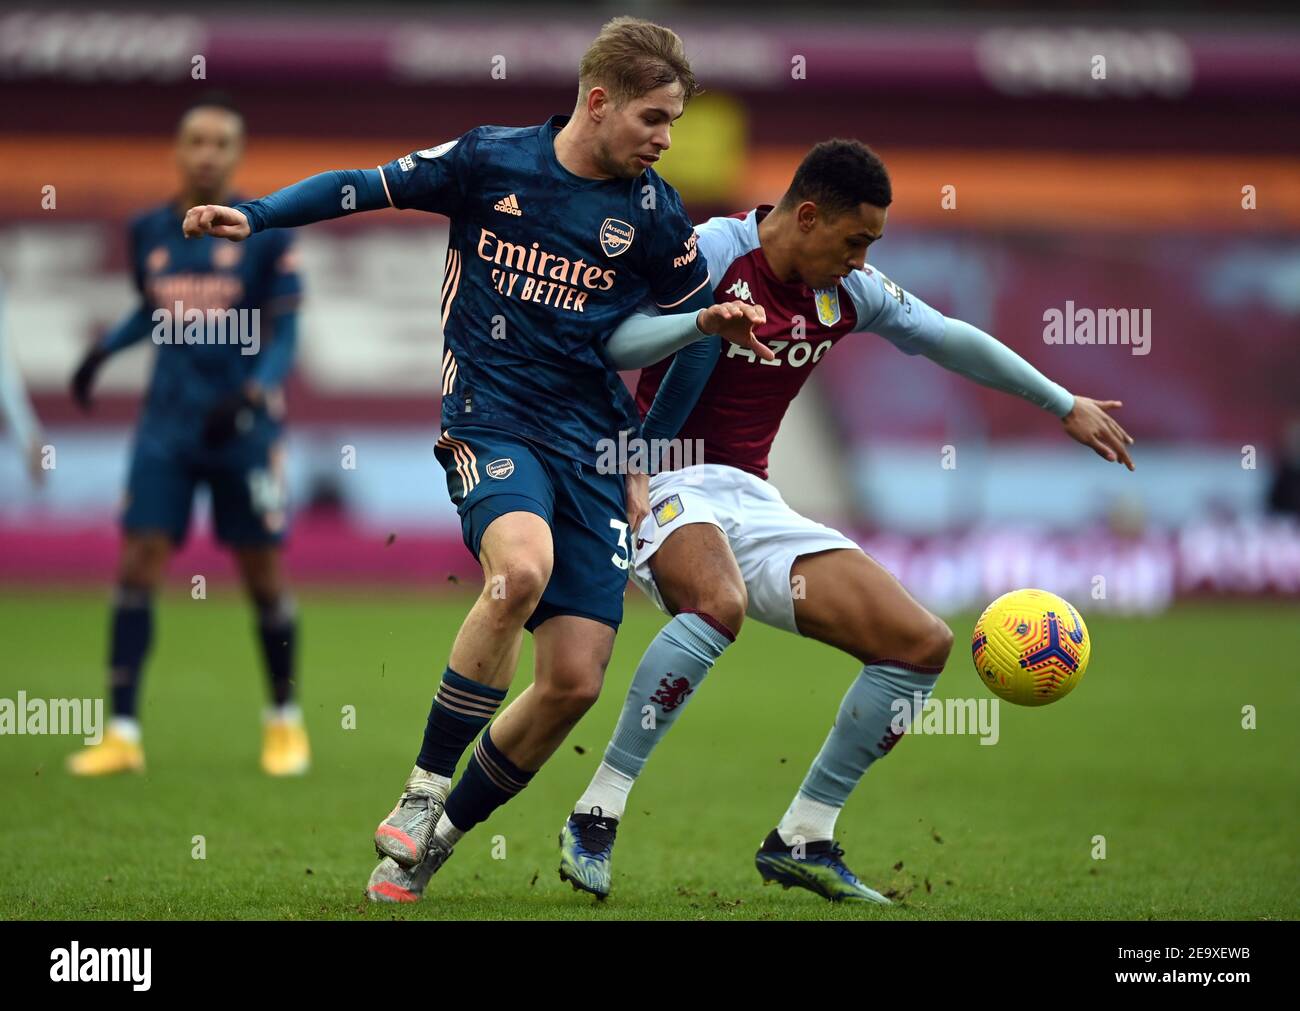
542,265
190,378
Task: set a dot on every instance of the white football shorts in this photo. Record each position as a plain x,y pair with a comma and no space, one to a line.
765,534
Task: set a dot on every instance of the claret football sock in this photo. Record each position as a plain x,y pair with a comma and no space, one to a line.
874,714
131,635
489,780
672,667
460,711
277,628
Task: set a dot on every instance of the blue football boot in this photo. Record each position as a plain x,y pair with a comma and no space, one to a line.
586,845
820,869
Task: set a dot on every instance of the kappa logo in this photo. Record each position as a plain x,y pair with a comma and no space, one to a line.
741,290
430,153
827,301
501,469
668,510
509,205
616,236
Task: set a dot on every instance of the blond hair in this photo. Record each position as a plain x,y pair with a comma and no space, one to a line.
631,57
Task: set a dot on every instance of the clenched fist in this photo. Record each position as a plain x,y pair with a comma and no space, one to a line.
218,221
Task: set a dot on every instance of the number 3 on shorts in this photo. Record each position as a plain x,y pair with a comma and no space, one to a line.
621,557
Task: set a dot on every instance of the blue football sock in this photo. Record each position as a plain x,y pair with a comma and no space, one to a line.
132,633
672,667
460,710
277,631
490,779
865,728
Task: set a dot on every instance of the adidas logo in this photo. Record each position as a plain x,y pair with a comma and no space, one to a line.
508,205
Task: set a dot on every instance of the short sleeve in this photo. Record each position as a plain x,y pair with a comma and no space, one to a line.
435,179
285,290
895,314
675,268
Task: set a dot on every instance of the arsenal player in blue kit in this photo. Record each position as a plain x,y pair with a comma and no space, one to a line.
721,544
559,231
213,416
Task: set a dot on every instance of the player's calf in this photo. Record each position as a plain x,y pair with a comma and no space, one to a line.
700,582
851,602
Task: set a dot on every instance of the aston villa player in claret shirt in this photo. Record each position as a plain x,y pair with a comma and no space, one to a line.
720,543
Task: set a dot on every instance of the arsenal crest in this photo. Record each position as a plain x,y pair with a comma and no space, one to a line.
827,301
615,236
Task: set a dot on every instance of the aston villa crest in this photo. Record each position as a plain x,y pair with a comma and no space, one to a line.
615,236
827,301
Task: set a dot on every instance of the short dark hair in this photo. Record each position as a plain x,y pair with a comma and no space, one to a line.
213,100
838,175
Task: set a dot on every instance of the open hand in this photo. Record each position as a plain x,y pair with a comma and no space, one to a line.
1089,423
638,503
735,322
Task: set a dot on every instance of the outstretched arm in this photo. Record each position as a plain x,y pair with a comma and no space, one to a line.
971,352
317,198
642,340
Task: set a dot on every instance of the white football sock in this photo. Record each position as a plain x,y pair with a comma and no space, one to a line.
126,728
447,834
608,791
290,712
810,819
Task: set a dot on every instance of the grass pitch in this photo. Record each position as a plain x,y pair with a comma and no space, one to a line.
1199,815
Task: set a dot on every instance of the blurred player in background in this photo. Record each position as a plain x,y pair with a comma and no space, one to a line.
720,542
558,232
212,415
20,419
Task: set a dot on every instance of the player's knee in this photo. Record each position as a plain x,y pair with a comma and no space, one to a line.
518,585
142,562
932,643
567,698
723,601
925,641
261,576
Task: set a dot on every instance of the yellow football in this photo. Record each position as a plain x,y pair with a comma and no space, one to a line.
1030,647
